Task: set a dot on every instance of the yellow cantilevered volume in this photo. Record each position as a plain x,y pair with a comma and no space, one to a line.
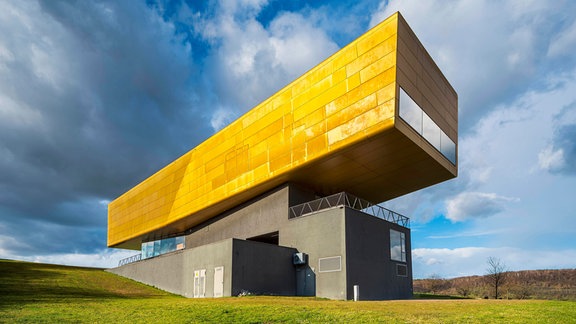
335,128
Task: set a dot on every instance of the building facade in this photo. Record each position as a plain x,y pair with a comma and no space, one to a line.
283,244
278,201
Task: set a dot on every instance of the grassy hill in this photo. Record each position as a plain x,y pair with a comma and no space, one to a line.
34,282
41,293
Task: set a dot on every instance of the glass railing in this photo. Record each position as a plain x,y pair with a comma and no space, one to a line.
163,246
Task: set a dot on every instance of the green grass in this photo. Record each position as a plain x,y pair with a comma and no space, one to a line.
40,293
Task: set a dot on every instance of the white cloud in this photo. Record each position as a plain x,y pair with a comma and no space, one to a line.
251,61
221,118
467,234
468,261
472,205
94,96
432,261
246,7
564,42
559,157
102,259
19,114
494,54
298,45
551,159
490,51
515,155
127,91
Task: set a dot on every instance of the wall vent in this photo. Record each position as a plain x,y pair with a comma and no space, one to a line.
402,270
330,264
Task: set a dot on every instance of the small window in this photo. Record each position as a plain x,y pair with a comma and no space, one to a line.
397,246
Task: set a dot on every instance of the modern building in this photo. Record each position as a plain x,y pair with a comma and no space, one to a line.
278,202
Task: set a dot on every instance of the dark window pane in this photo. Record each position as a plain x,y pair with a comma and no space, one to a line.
431,131
410,112
448,148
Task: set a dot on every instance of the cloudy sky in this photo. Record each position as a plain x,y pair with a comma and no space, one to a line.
97,95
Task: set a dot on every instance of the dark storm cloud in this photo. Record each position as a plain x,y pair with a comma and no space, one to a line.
30,237
94,97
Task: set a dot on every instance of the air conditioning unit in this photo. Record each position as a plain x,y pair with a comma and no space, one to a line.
300,258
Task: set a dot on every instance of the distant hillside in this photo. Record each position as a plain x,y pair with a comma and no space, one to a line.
527,284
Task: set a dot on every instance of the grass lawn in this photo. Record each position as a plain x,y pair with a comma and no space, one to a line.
40,293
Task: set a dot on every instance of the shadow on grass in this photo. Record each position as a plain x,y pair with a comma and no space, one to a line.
24,282
432,296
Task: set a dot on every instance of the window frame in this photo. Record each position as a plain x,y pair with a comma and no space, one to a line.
395,241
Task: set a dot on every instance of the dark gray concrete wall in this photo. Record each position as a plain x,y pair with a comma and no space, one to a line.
320,235
368,260
262,268
255,267
361,241
174,272
163,272
208,257
263,215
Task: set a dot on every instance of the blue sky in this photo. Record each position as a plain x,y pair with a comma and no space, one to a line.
96,96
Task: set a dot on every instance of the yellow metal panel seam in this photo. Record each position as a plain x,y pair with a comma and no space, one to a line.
293,120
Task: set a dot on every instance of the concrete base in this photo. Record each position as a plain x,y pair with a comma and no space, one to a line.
227,268
345,247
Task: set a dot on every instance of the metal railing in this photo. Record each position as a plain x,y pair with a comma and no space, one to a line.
348,200
134,258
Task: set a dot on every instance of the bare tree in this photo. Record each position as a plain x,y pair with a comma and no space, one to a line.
463,287
436,283
495,274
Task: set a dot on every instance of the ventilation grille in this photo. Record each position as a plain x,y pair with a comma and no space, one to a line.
402,270
330,264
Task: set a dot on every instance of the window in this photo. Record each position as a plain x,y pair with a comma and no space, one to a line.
448,148
147,250
397,246
167,245
412,114
159,247
431,131
180,242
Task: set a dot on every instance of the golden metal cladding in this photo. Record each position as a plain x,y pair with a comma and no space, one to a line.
335,128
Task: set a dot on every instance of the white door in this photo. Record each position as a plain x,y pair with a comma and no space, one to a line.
199,283
218,281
